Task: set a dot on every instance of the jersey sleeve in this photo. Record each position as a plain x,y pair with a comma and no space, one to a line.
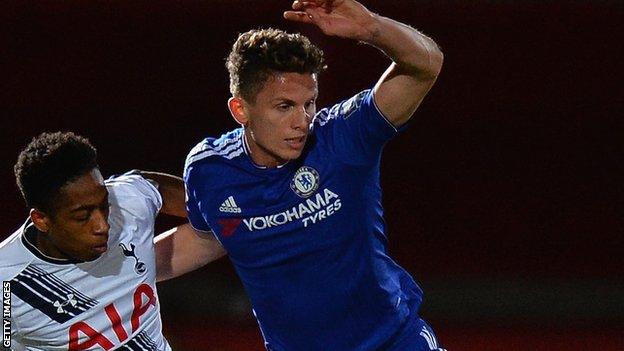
192,204
354,130
134,184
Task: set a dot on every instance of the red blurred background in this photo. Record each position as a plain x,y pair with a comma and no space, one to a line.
504,198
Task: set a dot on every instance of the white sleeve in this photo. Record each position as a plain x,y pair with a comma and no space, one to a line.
149,190
135,185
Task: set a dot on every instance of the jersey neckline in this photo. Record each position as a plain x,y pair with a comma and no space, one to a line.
254,165
29,233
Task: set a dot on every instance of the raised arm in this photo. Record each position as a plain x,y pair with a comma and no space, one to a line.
417,60
171,189
182,249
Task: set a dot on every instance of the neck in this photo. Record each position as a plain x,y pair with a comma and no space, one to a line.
43,244
260,156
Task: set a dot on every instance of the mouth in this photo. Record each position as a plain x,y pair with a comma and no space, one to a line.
101,248
296,142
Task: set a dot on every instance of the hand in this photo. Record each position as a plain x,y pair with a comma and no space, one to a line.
343,18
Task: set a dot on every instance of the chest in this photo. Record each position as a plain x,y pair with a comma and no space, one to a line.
99,303
283,212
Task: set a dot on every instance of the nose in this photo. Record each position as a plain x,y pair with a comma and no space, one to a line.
100,222
302,119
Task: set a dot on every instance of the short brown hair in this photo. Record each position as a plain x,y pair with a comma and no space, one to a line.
258,53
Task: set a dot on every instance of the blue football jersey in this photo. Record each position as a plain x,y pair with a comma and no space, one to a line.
308,238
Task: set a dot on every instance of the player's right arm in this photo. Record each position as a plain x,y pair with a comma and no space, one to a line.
183,249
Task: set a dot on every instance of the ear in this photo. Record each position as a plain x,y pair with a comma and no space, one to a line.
40,220
237,109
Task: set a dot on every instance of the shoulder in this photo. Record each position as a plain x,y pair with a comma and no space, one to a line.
344,109
131,188
14,257
214,151
131,183
228,146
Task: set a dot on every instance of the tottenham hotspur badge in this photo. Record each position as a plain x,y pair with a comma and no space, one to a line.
305,181
139,267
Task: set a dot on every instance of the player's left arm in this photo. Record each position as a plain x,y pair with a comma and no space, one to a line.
417,60
183,249
171,189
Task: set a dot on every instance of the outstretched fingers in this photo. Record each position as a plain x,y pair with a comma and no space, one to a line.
298,16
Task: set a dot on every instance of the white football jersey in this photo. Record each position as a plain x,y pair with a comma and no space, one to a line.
106,304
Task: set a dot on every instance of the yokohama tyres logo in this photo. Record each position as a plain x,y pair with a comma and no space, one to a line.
313,210
310,211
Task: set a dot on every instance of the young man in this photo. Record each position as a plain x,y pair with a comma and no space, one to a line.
82,269
294,195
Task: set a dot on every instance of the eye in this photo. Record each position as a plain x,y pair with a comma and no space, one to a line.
284,107
309,104
83,217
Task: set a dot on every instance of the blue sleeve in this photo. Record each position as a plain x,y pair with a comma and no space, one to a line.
192,204
354,130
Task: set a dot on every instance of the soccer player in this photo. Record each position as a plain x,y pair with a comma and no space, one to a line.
294,195
82,268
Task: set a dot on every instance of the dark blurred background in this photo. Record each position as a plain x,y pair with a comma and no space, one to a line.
504,198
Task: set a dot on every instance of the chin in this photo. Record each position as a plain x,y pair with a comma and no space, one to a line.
292,156
93,257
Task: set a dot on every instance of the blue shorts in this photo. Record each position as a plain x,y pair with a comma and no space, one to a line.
417,335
